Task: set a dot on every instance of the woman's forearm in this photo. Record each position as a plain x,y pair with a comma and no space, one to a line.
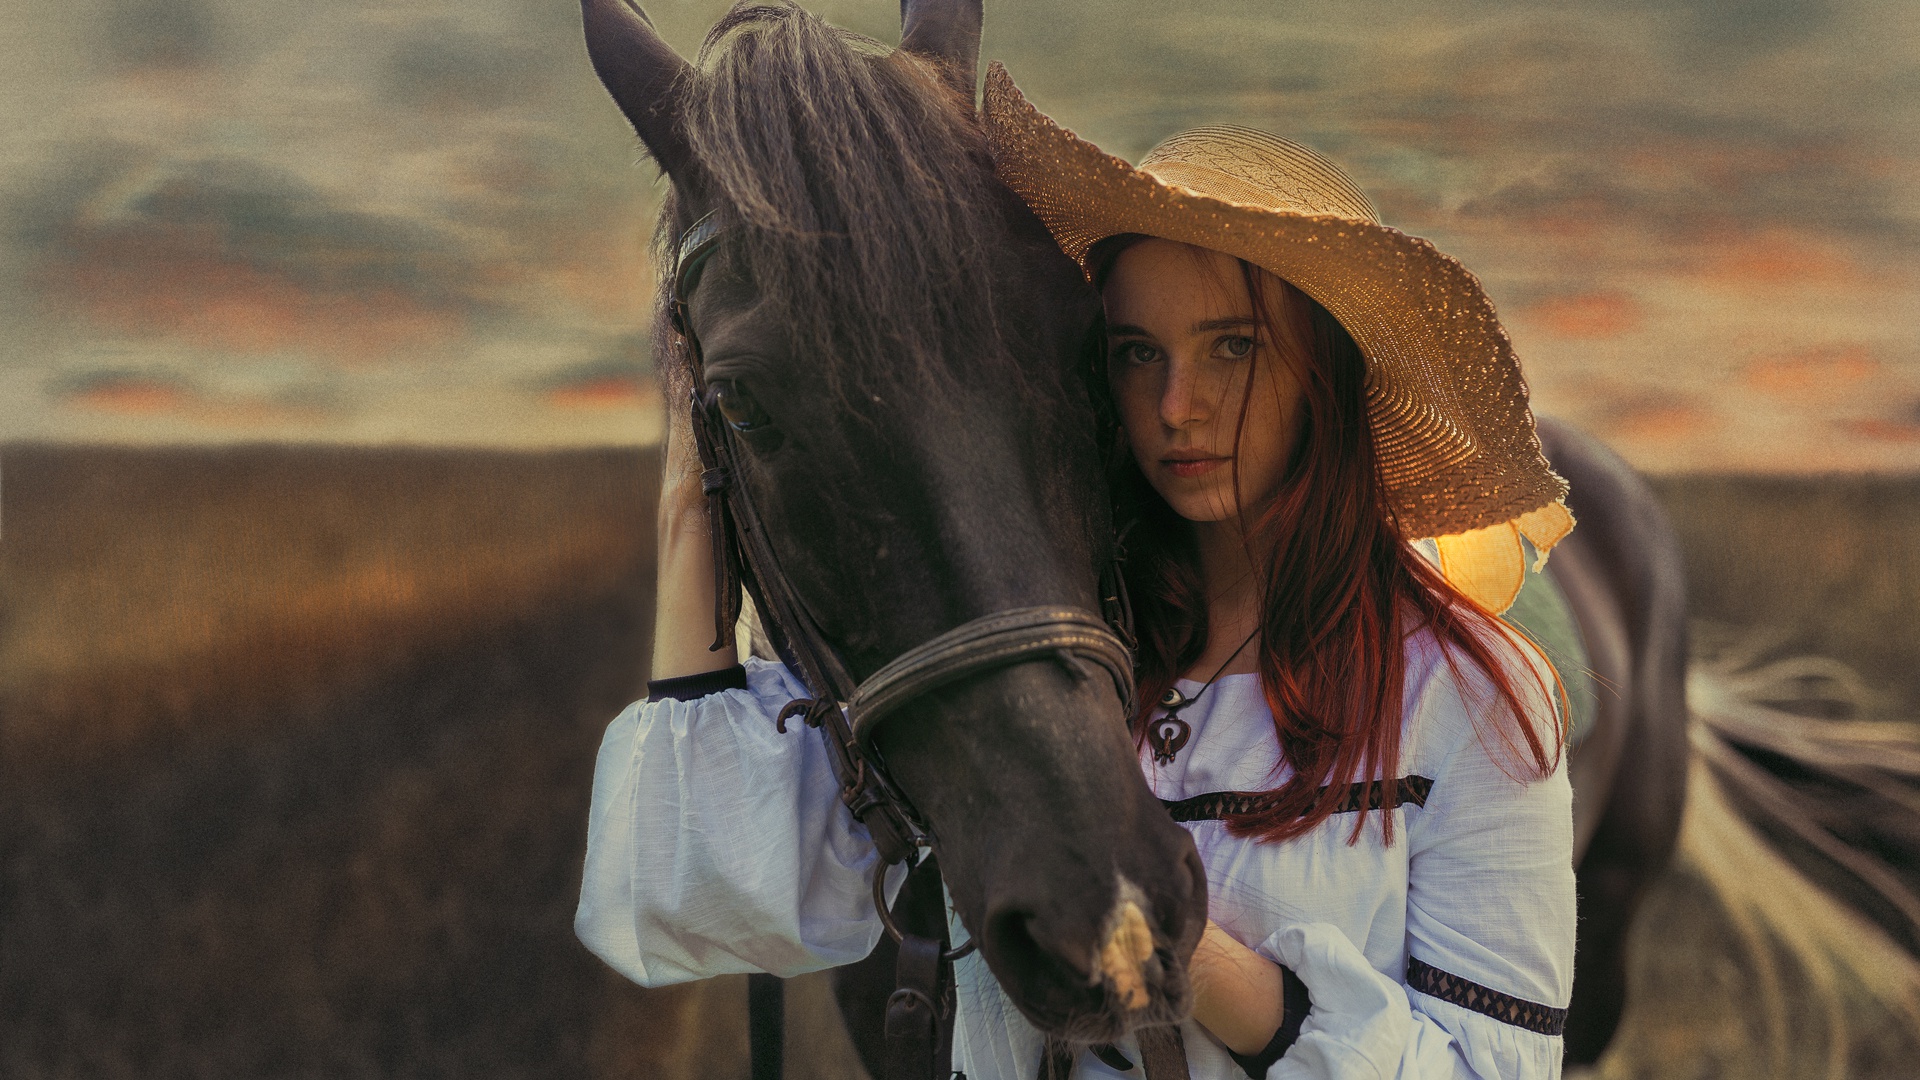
1237,993
683,603
683,599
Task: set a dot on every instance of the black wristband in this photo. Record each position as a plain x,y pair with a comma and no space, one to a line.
690,687
1293,996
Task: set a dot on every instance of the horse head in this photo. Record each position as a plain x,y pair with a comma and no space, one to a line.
900,351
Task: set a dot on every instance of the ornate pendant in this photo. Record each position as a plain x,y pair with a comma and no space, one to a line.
1169,733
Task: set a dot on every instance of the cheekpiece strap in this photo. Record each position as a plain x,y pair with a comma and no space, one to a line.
690,256
715,481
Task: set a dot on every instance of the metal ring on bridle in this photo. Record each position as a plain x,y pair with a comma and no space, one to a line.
886,917
991,641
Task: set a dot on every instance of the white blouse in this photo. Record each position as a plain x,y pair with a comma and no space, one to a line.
717,846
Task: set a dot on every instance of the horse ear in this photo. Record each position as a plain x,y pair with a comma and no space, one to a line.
643,74
947,32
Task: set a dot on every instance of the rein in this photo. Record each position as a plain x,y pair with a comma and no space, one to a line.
743,557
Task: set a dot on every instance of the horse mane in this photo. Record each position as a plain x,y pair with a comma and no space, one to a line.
854,183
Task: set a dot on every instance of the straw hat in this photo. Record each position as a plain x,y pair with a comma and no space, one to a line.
1445,398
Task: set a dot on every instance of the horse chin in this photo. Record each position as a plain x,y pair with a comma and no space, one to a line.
1100,1012
1134,979
1168,1004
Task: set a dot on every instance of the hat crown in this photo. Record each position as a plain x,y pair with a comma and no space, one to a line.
1257,168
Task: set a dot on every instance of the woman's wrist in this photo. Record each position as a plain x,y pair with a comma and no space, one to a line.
1238,995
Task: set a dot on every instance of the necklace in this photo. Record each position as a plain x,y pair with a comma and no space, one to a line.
1169,733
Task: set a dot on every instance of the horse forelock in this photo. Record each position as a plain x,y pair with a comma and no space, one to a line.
857,194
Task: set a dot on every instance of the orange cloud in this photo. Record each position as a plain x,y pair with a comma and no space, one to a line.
1657,421
140,395
1775,257
209,301
1880,429
1822,371
606,392
1587,315
130,396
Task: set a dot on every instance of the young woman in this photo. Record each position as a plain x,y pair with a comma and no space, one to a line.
1370,763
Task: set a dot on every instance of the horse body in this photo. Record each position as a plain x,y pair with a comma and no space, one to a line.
1621,572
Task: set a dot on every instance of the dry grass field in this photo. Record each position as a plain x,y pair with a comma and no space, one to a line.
295,747
1831,564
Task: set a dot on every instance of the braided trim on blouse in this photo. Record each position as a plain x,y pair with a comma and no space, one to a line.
1367,795
1448,987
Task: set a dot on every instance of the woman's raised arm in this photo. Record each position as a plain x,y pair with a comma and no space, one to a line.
683,600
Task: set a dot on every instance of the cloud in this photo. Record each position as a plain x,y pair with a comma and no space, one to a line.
163,33
146,395
1603,314
1722,28
1654,418
1825,371
619,379
444,66
137,395
1777,256
229,254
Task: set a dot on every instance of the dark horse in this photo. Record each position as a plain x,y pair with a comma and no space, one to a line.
898,345
902,350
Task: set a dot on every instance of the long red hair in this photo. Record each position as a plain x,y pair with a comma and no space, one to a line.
1343,590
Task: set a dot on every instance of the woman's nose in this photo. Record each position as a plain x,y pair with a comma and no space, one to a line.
1189,394
1182,400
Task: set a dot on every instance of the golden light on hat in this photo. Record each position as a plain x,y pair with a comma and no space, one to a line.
1445,399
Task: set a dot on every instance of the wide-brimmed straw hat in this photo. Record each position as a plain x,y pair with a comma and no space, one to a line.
1445,399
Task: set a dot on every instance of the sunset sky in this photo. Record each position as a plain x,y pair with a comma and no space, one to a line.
424,222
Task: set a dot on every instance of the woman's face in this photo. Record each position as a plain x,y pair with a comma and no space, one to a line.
1185,349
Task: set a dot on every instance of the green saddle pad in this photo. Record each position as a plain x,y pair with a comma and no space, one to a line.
1542,611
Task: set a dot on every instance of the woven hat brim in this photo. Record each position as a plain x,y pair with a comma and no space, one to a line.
1445,397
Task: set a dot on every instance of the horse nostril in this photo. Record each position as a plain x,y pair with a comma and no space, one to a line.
1025,953
1007,930
1009,939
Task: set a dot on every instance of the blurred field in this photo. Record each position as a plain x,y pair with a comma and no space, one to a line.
1832,564
295,747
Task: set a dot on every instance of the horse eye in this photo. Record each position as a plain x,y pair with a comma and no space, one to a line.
737,405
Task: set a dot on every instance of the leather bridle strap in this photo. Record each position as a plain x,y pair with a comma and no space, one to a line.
983,644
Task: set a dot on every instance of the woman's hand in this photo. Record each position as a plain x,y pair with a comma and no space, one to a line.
1236,992
683,601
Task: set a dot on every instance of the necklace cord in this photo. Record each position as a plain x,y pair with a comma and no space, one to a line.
1168,734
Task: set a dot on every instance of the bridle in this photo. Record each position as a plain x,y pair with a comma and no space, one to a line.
845,711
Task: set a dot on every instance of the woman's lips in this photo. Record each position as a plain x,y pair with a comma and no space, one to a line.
1189,467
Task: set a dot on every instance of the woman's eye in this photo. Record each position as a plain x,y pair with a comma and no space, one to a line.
739,408
1134,352
1239,346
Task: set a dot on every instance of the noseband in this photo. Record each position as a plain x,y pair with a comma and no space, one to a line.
744,557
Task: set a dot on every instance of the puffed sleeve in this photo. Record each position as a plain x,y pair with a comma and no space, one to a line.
1490,918
717,845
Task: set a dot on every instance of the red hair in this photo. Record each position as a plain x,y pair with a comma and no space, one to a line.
1343,591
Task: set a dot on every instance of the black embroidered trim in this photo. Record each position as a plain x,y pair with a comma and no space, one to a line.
1505,1008
1218,805
691,687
